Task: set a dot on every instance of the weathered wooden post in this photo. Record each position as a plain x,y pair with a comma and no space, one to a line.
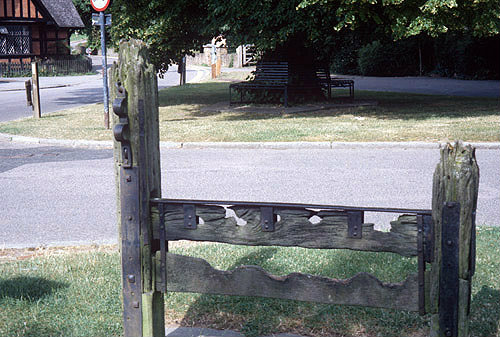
36,90
454,201
137,166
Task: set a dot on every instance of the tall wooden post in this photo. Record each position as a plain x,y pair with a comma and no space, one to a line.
454,201
137,167
36,90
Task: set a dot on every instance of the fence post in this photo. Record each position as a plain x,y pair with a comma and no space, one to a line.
454,201
137,158
36,90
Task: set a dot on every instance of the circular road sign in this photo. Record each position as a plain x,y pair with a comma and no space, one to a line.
100,5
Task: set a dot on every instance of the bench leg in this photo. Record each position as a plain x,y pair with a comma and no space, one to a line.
286,97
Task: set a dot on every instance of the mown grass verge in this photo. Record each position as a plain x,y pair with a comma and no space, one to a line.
186,116
77,293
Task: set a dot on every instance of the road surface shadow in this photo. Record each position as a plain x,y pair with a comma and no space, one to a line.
11,158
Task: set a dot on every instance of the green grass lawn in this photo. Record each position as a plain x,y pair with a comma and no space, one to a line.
185,116
77,293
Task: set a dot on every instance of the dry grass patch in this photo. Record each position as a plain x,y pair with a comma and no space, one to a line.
184,117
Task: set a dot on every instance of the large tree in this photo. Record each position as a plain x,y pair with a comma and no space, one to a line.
177,27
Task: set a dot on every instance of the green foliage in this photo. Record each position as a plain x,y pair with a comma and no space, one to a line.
389,59
412,17
464,56
177,27
92,32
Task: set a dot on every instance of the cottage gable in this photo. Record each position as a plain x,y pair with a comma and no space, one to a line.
62,13
36,28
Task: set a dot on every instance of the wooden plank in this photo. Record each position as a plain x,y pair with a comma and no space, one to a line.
17,11
33,10
190,274
24,7
292,229
8,9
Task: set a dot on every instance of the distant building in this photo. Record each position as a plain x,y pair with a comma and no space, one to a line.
36,28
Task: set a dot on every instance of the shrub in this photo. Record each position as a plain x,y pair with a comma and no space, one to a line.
398,58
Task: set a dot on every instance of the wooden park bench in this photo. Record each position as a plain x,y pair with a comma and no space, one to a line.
328,82
272,76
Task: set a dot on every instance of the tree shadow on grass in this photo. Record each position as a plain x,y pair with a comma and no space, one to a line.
255,316
28,288
485,312
391,106
230,306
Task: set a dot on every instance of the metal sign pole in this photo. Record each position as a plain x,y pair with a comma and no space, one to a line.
104,69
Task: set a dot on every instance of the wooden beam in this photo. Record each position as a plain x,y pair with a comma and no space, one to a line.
190,274
293,229
137,76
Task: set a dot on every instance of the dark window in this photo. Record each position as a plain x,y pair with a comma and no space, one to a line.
15,40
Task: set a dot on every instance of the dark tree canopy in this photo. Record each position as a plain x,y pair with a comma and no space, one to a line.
177,27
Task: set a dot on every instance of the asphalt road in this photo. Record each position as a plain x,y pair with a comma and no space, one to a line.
58,93
58,196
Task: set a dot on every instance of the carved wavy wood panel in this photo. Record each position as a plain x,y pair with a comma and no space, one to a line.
190,274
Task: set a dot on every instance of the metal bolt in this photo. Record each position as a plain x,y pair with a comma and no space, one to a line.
449,243
355,234
448,332
266,226
131,278
135,304
355,228
129,179
130,218
266,221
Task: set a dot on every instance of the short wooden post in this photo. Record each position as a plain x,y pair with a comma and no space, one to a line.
135,77
454,201
36,90
29,97
219,64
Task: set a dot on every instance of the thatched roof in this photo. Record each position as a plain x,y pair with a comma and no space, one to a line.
63,12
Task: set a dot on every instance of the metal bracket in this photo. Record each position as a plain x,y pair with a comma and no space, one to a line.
355,221
472,254
162,286
120,130
131,252
421,264
448,281
267,219
190,218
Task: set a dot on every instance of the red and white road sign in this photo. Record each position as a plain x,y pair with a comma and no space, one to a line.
100,5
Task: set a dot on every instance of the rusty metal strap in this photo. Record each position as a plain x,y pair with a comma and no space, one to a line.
449,281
